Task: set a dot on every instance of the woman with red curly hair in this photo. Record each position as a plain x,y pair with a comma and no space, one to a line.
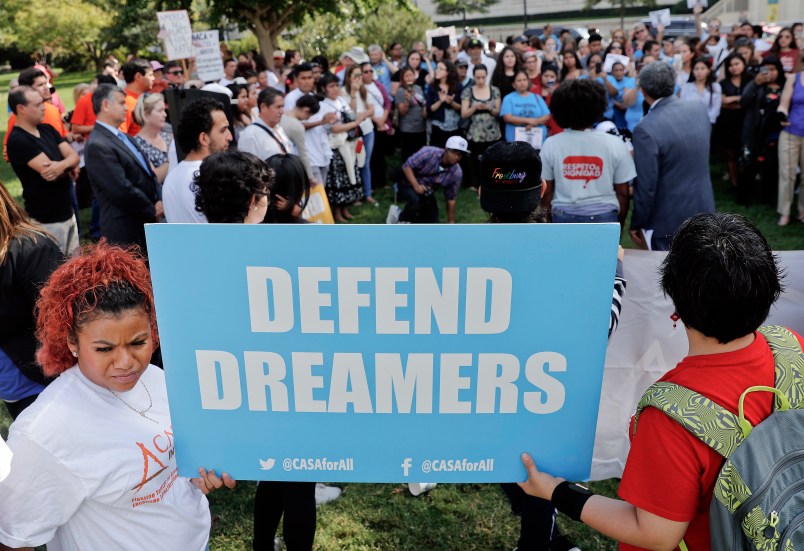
94,465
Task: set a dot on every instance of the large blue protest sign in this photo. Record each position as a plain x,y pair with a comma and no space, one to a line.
383,353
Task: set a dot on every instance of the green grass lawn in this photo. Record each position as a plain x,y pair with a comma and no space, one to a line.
385,516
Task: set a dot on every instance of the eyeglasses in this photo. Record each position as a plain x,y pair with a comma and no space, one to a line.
368,72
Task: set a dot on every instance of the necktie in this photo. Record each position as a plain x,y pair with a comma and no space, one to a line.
133,148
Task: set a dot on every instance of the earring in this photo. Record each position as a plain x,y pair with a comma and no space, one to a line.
675,317
75,353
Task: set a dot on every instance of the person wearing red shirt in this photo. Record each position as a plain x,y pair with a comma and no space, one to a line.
83,118
139,77
722,277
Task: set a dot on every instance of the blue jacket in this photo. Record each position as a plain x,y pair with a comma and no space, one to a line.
671,153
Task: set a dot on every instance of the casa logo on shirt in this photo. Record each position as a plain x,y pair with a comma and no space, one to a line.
582,167
157,457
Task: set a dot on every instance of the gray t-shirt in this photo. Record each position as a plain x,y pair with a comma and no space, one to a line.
585,166
412,121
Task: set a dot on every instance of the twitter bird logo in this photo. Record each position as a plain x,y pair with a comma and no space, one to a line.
267,464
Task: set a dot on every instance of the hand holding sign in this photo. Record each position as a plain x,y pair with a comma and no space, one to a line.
611,59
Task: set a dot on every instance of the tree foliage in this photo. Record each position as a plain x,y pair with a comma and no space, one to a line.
462,7
330,35
269,20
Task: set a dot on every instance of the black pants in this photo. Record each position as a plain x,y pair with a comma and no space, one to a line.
538,519
294,500
766,165
477,149
438,137
379,168
410,143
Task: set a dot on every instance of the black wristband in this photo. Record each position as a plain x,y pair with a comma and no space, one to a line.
570,498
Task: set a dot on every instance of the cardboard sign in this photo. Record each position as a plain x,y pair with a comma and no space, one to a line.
318,210
533,136
441,31
426,353
659,17
177,34
611,59
207,53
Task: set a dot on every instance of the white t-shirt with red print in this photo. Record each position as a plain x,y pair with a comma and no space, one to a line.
585,165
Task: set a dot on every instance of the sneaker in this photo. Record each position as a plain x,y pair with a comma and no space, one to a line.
325,494
418,488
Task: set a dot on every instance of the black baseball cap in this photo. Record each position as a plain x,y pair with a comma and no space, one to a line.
520,38
474,43
510,178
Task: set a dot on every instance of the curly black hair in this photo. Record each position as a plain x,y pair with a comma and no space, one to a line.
227,182
578,104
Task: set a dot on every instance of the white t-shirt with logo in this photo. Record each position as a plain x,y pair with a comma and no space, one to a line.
178,197
90,473
585,165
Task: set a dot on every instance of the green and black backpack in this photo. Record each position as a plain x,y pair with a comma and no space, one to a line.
758,501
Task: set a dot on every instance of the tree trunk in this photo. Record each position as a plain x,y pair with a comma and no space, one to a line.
622,18
267,42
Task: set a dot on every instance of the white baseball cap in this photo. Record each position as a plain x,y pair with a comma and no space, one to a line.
458,144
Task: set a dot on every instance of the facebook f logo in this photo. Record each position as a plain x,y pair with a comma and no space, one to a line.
406,465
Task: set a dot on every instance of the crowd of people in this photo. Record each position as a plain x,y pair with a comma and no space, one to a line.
606,137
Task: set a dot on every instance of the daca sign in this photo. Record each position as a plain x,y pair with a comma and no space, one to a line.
383,353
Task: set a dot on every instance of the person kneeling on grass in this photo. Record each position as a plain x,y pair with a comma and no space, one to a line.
722,277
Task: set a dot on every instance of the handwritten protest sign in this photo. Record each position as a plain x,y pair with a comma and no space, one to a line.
207,55
611,59
533,136
176,33
426,353
659,17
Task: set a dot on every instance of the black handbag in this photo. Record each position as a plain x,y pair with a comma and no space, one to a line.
354,133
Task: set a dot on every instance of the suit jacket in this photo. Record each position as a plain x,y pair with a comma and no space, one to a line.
125,190
671,153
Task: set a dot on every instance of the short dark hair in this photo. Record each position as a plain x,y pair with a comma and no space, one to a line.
195,119
648,45
303,68
268,97
578,103
226,183
310,102
137,66
595,38
229,60
104,92
28,76
721,275
172,64
17,97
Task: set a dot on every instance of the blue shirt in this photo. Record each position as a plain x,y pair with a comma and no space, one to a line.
13,384
382,74
529,106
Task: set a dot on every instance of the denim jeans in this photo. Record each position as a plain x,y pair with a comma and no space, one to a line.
365,172
560,216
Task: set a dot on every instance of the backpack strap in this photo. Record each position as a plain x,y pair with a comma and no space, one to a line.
789,363
709,422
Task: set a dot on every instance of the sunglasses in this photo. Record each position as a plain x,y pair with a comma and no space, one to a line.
175,73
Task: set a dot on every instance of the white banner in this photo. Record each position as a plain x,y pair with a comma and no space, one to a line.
645,346
177,34
207,53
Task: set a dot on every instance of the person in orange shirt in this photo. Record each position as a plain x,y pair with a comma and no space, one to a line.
83,118
139,77
37,80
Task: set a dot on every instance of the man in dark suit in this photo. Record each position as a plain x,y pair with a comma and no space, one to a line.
121,178
671,153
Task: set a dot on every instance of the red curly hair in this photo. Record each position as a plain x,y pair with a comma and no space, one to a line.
72,293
